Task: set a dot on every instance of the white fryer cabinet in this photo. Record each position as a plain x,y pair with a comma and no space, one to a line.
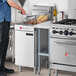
24,45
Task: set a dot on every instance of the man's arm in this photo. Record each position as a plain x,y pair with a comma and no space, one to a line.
14,5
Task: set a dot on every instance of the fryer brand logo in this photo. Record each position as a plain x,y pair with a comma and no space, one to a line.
20,27
66,54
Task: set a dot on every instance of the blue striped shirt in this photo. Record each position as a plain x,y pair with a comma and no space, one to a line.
5,11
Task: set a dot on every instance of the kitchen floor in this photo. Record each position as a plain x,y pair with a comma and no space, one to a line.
29,71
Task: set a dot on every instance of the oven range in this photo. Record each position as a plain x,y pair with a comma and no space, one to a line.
63,45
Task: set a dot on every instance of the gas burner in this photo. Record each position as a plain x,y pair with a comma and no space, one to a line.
67,22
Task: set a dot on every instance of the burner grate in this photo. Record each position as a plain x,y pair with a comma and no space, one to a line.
67,22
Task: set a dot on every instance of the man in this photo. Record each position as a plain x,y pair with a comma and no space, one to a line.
5,19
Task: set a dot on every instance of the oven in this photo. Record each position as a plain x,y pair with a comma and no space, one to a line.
63,51
63,45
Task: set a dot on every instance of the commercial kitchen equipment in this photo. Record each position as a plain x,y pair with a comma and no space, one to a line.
25,46
63,45
43,52
22,40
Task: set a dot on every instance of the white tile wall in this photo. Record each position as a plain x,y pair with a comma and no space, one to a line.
15,15
62,5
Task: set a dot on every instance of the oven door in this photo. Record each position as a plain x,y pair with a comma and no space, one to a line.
63,51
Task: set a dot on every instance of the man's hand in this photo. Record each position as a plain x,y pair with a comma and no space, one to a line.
14,5
23,12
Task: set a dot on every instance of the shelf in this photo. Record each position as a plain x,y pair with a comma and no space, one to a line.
42,5
40,9
43,53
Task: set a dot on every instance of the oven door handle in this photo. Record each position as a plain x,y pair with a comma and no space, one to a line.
29,34
68,44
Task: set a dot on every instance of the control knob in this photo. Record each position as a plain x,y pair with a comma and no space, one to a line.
71,33
54,31
66,32
61,32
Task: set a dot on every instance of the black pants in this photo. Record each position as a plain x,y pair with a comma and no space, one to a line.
4,39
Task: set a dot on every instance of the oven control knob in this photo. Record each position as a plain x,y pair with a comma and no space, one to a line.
71,33
61,32
66,32
54,32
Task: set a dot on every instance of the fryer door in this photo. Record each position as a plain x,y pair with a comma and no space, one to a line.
63,51
24,48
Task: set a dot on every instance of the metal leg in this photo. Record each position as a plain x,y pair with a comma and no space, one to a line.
20,69
56,72
38,51
50,73
39,64
46,64
49,68
49,52
35,70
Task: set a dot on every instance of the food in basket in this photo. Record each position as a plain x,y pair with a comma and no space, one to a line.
38,20
43,19
32,22
40,17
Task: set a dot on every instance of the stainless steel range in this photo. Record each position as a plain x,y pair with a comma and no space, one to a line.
63,45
